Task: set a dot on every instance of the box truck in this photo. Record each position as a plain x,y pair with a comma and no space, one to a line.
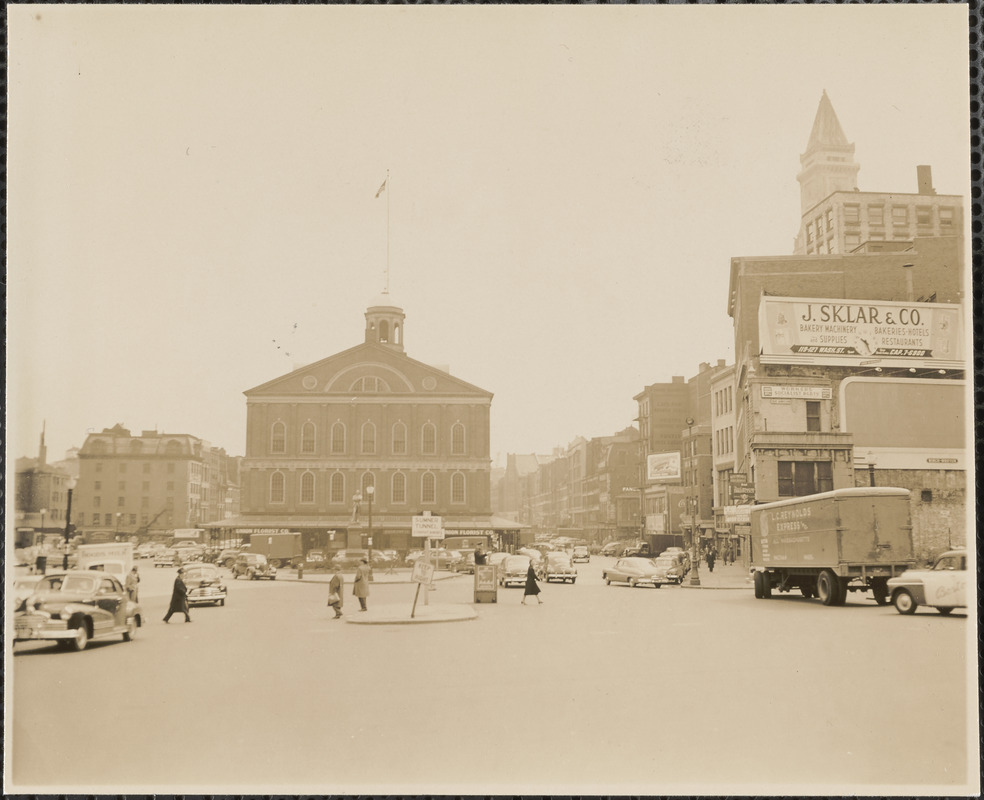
826,545
280,549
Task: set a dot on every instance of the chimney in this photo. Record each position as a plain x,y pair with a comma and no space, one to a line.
924,178
42,450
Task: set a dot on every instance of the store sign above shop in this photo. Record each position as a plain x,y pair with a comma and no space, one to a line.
797,330
797,392
663,466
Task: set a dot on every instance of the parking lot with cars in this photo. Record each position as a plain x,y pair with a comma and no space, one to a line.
717,667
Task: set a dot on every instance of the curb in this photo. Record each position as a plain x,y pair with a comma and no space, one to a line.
425,615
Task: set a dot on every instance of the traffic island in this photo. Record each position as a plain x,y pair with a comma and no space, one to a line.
400,614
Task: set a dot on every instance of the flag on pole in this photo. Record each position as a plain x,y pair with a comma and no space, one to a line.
383,186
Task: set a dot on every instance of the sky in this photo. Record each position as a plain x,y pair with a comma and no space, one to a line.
192,210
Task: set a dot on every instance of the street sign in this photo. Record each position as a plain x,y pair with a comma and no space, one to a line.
427,527
422,572
737,514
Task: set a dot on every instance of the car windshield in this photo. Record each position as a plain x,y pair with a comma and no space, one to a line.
67,583
200,573
665,563
641,563
256,558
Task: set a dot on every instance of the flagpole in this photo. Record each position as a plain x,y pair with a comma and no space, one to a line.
387,233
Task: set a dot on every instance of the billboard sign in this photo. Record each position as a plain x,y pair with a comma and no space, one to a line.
803,330
427,527
663,467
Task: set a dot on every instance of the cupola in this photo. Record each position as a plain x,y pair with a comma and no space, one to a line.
384,322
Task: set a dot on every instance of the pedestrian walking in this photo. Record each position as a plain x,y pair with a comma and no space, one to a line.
179,598
132,579
710,559
532,587
335,587
360,587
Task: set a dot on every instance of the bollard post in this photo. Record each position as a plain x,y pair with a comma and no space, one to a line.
300,571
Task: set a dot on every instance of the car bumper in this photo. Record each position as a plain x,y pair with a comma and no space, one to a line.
206,596
28,630
509,580
560,576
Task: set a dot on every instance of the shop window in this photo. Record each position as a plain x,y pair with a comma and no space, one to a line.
799,478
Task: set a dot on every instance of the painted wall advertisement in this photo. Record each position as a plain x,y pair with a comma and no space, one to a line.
663,466
797,330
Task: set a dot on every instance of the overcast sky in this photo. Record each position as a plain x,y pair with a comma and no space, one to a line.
191,193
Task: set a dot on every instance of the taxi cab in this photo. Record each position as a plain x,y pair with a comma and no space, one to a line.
943,587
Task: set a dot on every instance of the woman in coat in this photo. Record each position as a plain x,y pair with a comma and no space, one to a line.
532,587
335,590
360,588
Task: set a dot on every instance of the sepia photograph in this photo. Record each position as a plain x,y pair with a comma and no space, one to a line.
490,399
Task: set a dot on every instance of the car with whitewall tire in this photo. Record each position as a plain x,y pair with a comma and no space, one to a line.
943,586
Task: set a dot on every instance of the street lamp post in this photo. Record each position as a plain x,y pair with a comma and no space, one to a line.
370,491
68,520
694,569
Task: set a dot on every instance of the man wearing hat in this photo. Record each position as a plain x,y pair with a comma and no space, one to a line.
360,587
179,598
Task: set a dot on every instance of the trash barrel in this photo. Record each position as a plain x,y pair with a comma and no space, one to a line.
486,586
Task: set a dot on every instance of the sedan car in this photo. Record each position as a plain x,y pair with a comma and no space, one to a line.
513,569
189,551
73,608
558,566
227,557
315,559
673,567
636,572
465,564
167,558
612,548
581,554
205,585
145,550
254,566
349,559
943,587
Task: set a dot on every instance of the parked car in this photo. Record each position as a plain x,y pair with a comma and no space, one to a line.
612,548
227,557
672,567
559,566
204,585
315,559
636,572
188,551
943,586
536,557
496,559
581,554
76,607
679,559
412,556
513,569
254,566
466,563
145,550
166,558
349,559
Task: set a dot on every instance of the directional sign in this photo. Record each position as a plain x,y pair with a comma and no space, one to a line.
427,527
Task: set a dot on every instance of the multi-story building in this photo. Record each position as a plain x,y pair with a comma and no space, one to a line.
318,439
148,483
840,361
41,491
838,218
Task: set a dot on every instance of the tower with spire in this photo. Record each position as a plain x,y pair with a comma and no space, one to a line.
836,217
828,164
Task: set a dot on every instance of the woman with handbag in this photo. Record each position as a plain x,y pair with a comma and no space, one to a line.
335,591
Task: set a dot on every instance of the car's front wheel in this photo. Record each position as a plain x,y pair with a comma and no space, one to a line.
632,583
131,630
81,638
904,602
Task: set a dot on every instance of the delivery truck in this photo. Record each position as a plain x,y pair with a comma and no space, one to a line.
115,558
826,545
280,549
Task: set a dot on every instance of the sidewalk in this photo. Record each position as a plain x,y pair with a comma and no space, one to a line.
733,576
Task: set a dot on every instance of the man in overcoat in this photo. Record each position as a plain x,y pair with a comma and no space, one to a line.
179,598
360,588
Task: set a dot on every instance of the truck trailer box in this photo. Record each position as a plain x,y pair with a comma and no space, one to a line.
115,558
830,543
281,549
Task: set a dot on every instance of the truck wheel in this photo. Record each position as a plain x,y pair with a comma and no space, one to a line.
757,583
766,586
905,603
828,588
879,589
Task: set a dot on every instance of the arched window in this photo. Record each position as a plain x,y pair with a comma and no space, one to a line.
428,492
307,487
368,437
277,487
457,439
370,383
308,433
368,479
399,439
428,439
458,487
278,438
338,437
399,488
337,488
